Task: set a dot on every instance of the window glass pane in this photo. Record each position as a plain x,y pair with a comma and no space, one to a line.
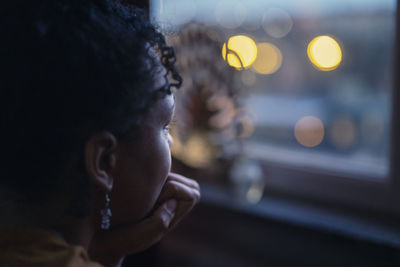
316,83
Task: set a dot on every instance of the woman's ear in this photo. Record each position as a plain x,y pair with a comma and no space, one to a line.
100,159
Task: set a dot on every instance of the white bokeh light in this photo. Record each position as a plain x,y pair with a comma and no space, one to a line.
230,14
277,22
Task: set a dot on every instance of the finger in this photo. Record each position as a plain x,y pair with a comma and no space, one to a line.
132,239
187,198
178,191
184,180
184,207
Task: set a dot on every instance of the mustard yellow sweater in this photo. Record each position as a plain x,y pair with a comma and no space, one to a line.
39,248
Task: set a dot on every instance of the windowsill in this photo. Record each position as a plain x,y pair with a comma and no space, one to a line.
307,216
357,165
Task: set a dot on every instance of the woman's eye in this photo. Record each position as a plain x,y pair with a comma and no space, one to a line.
167,129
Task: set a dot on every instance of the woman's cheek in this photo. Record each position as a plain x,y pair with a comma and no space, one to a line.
141,178
162,164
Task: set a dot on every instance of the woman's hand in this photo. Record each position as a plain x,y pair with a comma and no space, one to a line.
177,198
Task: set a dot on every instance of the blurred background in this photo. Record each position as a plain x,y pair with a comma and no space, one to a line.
287,117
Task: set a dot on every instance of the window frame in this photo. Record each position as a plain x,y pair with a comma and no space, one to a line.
348,190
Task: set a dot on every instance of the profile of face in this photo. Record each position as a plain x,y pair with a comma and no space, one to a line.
142,165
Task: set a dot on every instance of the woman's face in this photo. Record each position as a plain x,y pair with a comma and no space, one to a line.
143,164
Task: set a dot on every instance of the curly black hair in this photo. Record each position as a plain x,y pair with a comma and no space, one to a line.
71,68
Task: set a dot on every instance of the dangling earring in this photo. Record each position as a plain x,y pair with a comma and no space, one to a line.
106,214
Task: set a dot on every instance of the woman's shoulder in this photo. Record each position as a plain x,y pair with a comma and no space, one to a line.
20,247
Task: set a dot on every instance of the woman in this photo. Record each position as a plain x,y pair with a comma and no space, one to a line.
85,108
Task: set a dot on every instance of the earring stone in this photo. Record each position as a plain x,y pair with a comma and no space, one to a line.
106,215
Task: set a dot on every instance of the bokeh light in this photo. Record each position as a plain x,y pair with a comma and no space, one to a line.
248,180
195,152
230,14
178,12
343,133
241,52
325,53
309,131
277,22
177,149
254,16
269,59
255,193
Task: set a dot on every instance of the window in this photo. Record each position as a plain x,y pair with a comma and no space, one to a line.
315,93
